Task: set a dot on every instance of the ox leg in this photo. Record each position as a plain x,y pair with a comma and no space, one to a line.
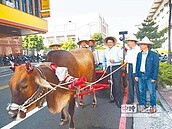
64,118
81,103
71,110
94,104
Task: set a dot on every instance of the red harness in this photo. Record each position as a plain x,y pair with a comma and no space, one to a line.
80,83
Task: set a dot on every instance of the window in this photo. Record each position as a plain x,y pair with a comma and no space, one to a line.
70,27
59,28
36,8
157,15
24,6
161,10
17,4
166,5
30,6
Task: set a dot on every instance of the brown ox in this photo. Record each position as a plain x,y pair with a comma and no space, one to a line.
26,81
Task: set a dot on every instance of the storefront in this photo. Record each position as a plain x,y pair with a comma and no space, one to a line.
19,18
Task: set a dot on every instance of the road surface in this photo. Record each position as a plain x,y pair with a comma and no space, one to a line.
105,116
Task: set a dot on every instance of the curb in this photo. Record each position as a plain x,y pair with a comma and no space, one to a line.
164,104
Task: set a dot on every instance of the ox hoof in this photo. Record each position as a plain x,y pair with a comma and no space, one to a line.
94,105
63,122
81,105
40,106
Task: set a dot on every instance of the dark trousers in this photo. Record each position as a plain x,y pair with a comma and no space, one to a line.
132,84
116,87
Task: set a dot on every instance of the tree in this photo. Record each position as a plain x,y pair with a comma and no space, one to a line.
150,29
99,37
33,42
68,45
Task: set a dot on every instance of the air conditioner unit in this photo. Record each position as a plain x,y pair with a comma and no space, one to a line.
10,4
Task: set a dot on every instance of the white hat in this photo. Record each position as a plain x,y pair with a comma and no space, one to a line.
132,38
55,44
83,40
107,38
145,40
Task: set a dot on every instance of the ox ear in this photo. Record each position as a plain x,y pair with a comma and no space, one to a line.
43,83
29,67
13,65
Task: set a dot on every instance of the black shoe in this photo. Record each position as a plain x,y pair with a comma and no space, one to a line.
118,104
129,102
111,101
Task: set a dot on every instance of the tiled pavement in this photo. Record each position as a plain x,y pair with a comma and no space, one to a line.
159,120
166,95
162,119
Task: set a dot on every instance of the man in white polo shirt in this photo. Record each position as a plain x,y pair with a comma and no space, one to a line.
131,58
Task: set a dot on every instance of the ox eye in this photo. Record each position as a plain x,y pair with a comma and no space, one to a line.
24,87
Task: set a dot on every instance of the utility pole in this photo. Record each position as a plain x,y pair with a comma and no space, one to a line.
124,72
169,34
123,33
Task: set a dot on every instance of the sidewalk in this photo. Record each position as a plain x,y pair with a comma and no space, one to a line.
162,119
166,94
158,120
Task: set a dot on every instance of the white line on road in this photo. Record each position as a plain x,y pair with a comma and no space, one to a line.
14,123
6,75
3,87
5,70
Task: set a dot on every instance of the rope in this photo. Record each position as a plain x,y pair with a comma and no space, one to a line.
89,84
108,74
24,107
59,85
62,84
103,73
111,84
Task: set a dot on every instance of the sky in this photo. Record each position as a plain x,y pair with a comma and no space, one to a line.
121,15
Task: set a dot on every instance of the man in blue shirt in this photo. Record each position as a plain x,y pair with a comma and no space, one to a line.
147,66
112,59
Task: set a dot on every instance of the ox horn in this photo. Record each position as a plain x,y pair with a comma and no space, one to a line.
13,65
29,67
43,83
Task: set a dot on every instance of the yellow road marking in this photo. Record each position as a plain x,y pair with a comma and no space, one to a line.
3,87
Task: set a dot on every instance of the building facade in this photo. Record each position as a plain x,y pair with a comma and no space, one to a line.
18,18
159,12
75,28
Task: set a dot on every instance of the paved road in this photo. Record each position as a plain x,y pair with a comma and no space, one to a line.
105,116
5,75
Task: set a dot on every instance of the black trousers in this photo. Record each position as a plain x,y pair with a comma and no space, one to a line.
132,84
117,89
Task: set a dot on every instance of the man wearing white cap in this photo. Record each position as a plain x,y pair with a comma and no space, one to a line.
147,67
112,59
55,46
130,58
83,43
